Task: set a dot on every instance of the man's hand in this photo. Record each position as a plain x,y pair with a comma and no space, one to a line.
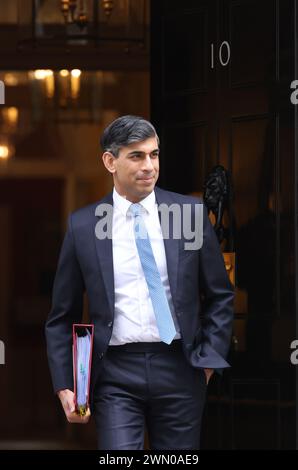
67,399
208,373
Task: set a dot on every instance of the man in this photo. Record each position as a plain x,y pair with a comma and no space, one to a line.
149,278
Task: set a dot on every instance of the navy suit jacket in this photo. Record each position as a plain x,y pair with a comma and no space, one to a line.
201,291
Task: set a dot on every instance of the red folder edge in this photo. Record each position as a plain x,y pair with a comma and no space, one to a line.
74,356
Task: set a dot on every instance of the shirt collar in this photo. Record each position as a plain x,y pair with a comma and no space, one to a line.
123,204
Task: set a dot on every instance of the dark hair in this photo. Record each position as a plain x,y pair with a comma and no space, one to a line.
124,131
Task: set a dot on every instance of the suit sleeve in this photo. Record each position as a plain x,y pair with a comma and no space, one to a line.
217,304
67,308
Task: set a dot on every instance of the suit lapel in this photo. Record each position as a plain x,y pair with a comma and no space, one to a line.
171,245
104,250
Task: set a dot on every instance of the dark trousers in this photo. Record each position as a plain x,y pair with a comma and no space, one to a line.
149,385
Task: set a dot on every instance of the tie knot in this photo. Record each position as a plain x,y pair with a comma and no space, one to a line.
135,209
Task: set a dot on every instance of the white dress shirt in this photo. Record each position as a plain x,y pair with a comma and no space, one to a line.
134,319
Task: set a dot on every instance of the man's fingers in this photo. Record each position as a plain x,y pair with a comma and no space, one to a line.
68,402
68,406
71,406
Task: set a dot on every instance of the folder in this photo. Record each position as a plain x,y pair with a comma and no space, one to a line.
82,359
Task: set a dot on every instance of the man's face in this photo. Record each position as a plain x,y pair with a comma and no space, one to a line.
135,170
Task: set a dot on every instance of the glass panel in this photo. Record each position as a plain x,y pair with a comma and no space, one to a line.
43,107
88,19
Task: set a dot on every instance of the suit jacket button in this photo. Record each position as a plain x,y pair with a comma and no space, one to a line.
110,324
101,355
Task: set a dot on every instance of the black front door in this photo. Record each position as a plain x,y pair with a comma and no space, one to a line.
222,72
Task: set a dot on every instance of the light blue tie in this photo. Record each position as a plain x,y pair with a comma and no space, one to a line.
157,293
